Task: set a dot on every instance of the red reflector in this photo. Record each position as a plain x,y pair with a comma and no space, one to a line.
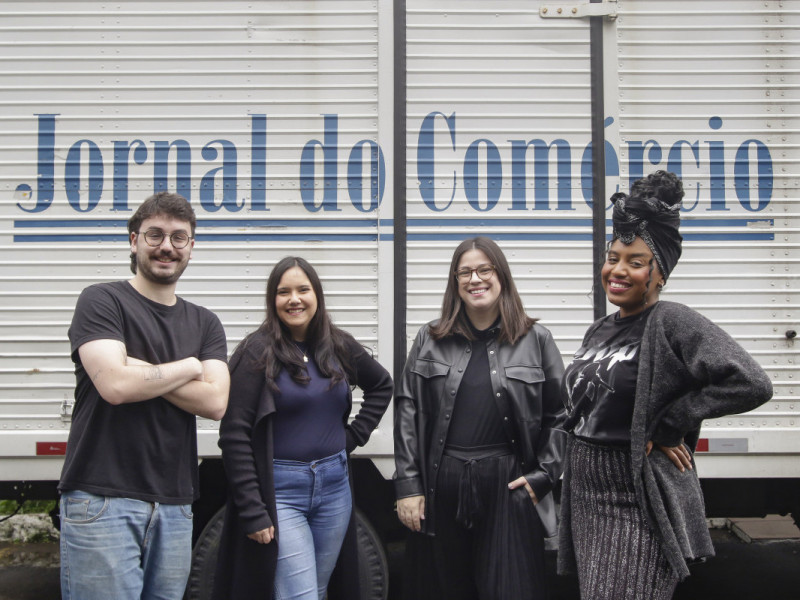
51,448
702,445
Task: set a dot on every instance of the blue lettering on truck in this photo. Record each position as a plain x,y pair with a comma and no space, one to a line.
476,185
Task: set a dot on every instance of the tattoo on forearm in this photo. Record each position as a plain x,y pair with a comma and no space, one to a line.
152,373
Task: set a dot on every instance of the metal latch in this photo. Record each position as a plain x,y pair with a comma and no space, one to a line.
66,410
606,8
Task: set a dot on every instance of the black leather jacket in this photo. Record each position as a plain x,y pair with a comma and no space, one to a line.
526,381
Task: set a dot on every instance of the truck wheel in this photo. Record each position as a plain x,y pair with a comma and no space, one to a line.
373,567
204,559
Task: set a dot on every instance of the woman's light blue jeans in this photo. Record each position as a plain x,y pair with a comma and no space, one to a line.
314,504
123,549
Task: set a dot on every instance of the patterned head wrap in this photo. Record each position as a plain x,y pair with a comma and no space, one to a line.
651,211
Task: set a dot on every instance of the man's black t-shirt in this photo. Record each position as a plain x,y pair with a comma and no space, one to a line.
142,450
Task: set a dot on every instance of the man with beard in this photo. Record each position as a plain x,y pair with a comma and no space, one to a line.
146,362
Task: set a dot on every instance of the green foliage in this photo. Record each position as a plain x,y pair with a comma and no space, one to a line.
31,506
42,537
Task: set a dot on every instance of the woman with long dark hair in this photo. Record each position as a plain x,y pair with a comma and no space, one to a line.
636,393
477,441
285,441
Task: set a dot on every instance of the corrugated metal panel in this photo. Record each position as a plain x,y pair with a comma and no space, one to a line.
504,77
218,101
495,86
703,88
715,84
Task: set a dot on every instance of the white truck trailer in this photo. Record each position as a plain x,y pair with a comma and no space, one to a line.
371,137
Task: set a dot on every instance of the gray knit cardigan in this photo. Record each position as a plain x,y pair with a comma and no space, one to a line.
689,370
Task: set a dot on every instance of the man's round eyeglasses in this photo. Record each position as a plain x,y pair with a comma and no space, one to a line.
484,273
155,237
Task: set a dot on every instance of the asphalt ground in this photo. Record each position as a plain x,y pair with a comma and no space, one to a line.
764,569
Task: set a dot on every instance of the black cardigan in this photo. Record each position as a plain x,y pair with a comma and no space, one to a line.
689,370
245,568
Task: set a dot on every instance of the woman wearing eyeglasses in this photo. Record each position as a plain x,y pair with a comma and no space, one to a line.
478,447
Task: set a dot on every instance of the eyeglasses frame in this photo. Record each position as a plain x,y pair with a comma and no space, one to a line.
165,235
475,270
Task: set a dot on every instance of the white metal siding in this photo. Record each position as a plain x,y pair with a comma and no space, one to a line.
198,72
504,74
714,74
723,73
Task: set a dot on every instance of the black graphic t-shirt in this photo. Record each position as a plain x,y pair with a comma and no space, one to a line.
599,385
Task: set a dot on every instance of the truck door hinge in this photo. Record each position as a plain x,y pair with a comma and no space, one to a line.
606,8
66,410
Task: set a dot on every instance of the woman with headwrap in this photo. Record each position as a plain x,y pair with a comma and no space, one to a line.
636,393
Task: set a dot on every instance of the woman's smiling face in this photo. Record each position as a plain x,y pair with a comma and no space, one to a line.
480,297
296,302
628,279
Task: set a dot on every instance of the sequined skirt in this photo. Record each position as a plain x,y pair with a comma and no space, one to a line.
618,555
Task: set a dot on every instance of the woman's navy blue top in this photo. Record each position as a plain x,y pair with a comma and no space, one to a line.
309,418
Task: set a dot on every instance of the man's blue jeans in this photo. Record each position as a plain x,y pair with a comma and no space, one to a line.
123,549
314,504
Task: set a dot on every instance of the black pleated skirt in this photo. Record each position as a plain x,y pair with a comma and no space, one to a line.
489,542
617,553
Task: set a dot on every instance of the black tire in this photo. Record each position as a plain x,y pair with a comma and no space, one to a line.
373,568
372,563
204,559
